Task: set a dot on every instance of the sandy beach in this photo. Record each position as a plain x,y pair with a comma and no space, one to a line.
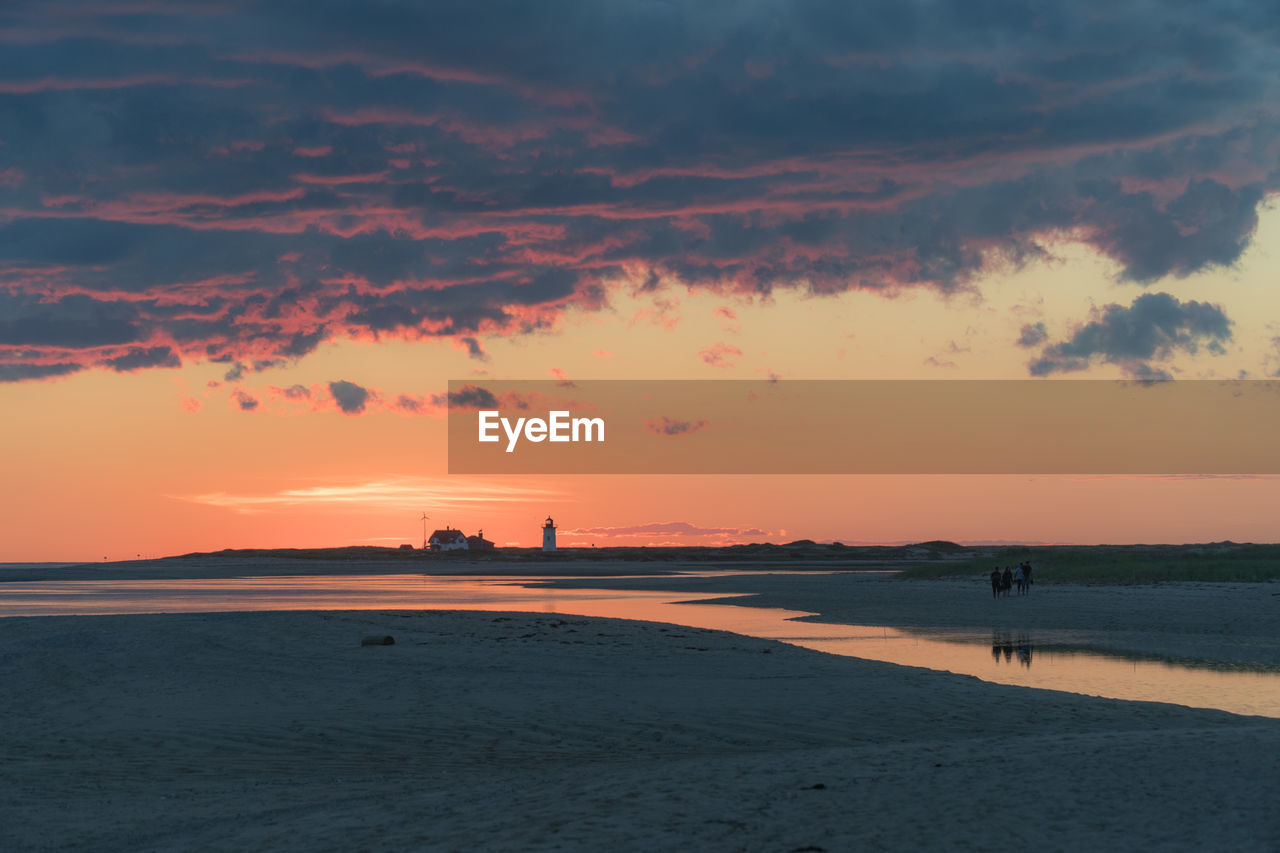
495,731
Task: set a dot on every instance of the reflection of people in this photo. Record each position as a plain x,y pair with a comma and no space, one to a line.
1004,644
1024,650
1001,645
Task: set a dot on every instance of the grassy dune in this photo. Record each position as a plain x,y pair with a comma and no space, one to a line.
1120,564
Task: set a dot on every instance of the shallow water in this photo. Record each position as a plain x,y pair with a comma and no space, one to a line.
1029,660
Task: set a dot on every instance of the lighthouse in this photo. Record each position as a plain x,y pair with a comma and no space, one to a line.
549,535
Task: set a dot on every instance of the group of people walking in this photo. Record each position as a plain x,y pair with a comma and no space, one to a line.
1003,582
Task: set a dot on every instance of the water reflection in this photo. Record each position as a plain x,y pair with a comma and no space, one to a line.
1004,644
964,652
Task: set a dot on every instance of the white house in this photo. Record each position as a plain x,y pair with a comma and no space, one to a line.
447,540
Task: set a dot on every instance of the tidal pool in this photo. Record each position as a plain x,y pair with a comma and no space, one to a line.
1042,661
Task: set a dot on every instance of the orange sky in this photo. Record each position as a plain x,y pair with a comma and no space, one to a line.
158,462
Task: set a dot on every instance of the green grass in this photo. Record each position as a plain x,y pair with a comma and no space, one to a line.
1120,564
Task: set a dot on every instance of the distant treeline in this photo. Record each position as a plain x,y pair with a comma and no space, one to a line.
1119,564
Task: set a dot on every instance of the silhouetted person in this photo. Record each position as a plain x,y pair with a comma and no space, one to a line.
995,582
1026,577
1006,581
1017,579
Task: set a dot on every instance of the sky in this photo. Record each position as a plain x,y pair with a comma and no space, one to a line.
244,246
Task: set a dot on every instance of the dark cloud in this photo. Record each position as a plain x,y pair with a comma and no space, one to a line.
238,370
1208,224
75,321
673,426
1032,334
409,405
1155,327
246,181
350,397
139,358
302,343
19,372
474,350
247,402
472,397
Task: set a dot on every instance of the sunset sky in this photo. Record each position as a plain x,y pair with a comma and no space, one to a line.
244,246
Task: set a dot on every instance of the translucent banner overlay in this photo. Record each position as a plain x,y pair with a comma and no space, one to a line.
864,427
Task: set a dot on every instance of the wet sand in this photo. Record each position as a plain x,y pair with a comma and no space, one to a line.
1226,624
491,731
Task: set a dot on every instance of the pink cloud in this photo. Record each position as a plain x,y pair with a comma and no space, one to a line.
377,66
339,180
728,318
720,354
68,84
